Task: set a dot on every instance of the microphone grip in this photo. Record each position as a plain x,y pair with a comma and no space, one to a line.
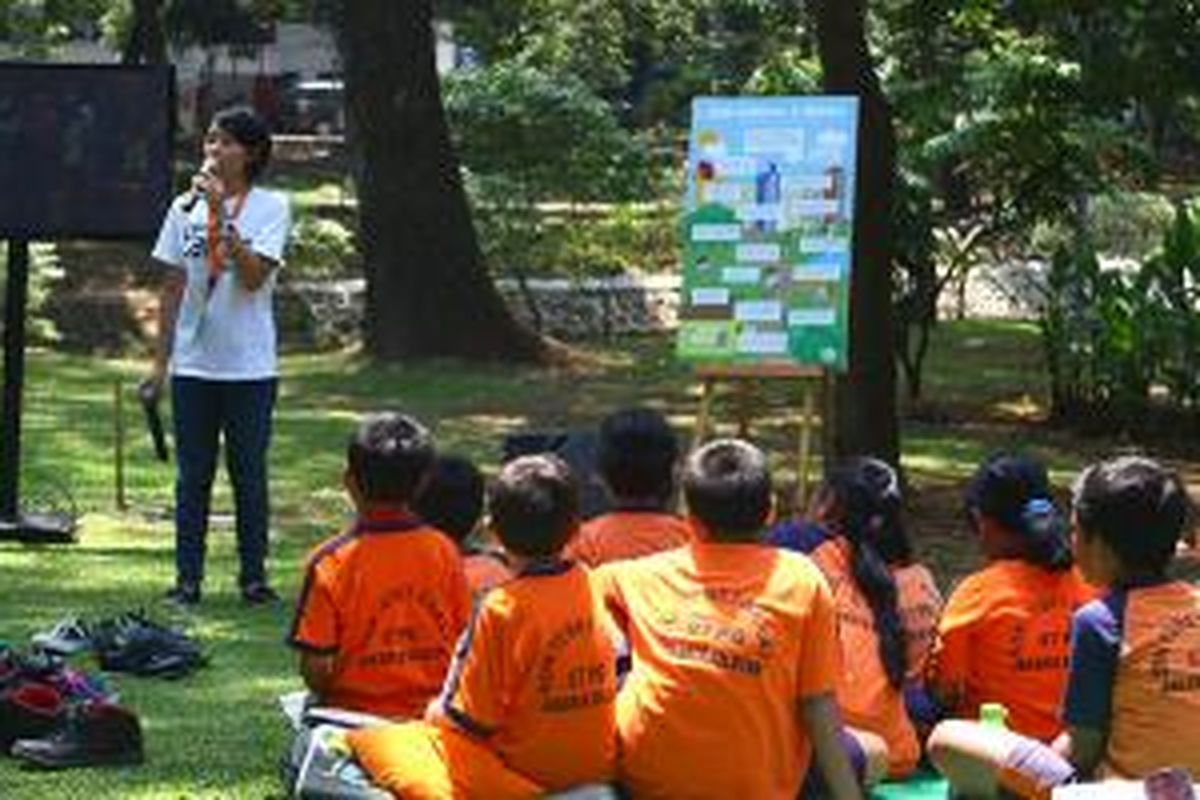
154,424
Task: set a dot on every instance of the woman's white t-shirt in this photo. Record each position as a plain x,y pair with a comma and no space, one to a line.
229,335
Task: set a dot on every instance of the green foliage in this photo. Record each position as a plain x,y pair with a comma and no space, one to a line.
786,72
539,149
1115,339
45,270
321,248
36,27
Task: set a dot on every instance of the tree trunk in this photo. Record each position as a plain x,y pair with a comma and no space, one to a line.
147,42
428,293
865,420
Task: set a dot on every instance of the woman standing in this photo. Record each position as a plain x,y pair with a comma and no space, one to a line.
219,246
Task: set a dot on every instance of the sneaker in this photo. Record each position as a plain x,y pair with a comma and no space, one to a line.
29,710
258,594
69,636
183,594
93,734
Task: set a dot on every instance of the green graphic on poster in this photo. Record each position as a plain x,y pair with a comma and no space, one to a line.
768,218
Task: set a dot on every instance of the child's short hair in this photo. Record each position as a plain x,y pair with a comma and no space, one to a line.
727,486
1137,507
249,130
452,498
388,456
637,454
534,505
1014,490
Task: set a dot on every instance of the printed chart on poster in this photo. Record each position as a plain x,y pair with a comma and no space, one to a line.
768,218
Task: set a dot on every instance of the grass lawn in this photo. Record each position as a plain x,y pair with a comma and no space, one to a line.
218,733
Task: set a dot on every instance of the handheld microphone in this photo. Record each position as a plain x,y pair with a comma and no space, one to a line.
209,167
149,398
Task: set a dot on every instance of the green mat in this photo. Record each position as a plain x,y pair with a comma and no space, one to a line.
922,786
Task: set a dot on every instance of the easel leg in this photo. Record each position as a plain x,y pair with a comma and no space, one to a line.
804,454
703,413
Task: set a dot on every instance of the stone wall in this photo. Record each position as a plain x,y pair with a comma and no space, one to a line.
329,314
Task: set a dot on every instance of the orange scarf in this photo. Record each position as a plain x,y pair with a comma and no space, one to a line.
213,234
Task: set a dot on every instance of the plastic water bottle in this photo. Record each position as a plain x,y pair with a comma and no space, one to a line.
994,715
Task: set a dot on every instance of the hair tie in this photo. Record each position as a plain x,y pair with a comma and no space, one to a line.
1039,506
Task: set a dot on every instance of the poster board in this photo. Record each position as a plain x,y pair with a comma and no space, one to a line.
767,227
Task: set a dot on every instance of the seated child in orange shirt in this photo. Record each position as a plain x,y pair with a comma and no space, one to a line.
887,605
383,603
1133,693
528,705
452,501
732,683
636,456
1003,637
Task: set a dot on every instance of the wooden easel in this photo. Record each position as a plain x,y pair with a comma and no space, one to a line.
812,381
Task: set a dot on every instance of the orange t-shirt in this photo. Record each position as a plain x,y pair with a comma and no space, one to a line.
485,569
865,696
1155,720
534,678
1005,637
621,535
727,639
389,600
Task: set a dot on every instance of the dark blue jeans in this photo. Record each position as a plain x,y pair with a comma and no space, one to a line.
205,411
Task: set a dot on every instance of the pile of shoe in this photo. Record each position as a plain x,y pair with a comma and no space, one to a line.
130,642
135,643
55,716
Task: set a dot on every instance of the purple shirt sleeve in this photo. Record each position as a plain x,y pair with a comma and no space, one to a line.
1095,650
799,535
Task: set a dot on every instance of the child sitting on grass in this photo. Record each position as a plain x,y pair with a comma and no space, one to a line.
528,705
733,676
452,501
1133,693
636,458
383,603
887,605
1003,633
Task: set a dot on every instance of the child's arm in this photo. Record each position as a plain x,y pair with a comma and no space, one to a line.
824,729
317,671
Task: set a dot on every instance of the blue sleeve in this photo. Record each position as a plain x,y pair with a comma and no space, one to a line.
798,535
1095,650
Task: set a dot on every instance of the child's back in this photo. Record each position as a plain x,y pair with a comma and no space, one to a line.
452,501
1004,636
528,705
732,671
622,535
382,604
389,598
636,458
726,640
887,606
535,676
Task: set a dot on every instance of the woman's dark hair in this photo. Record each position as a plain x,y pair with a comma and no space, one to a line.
636,455
1136,507
1014,491
249,130
866,493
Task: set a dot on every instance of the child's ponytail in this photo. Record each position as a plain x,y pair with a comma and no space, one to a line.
868,495
1014,491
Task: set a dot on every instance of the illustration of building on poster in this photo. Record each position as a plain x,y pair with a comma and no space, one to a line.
768,218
